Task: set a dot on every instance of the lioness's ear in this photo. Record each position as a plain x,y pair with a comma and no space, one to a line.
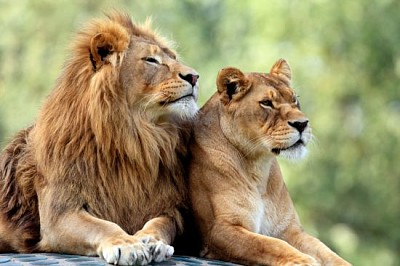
105,46
282,71
231,84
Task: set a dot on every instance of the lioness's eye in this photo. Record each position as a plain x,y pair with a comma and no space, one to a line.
151,60
266,104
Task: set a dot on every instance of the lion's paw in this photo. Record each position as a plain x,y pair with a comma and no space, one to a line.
158,249
161,251
125,251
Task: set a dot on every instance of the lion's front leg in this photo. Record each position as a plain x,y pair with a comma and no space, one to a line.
80,233
158,233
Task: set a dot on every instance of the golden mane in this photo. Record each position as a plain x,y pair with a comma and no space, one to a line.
97,101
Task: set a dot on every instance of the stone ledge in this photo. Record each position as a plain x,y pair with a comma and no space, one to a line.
16,259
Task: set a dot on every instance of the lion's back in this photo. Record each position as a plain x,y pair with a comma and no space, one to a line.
18,202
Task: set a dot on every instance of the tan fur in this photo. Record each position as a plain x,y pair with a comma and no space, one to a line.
240,202
101,170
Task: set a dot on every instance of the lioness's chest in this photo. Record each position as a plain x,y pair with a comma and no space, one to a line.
269,218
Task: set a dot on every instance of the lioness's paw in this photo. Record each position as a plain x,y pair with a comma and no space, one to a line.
336,262
304,260
125,251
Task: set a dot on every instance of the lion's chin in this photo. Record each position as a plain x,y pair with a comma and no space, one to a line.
294,152
185,108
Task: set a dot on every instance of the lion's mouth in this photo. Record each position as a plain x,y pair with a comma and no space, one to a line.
177,99
298,143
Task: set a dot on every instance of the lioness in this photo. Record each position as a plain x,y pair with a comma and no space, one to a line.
101,171
240,202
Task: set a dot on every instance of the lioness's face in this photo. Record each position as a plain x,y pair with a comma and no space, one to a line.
157,82
262,113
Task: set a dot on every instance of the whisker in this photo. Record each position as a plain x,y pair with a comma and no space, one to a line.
148,99
314,142
254,144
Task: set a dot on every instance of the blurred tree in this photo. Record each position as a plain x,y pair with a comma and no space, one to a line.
358,179
346,63
1,130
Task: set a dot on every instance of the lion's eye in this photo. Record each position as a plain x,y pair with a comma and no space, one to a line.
266,104
151,60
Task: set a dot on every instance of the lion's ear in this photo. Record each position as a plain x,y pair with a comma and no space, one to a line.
282,71
105,45
232,84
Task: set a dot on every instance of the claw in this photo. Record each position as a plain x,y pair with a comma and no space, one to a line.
118,257
145,240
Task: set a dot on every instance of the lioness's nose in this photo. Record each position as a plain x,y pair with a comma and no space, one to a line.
191,78
299,125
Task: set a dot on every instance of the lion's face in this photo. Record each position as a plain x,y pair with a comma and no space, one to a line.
156,81
261,113
145,70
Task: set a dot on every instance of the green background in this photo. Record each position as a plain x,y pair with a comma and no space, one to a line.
345,57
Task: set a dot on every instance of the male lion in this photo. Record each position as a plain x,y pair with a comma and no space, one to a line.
101,170
240,202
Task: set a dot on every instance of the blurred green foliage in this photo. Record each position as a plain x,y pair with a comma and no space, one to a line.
345,56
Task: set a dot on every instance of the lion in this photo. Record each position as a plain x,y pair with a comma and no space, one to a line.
240,202
101,171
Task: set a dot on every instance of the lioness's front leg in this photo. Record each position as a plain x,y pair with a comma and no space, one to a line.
235,243
79,232
299,239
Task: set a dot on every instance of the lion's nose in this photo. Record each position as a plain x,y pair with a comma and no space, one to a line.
299,125
191,78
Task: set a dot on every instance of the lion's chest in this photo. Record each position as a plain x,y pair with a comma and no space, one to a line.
136,203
